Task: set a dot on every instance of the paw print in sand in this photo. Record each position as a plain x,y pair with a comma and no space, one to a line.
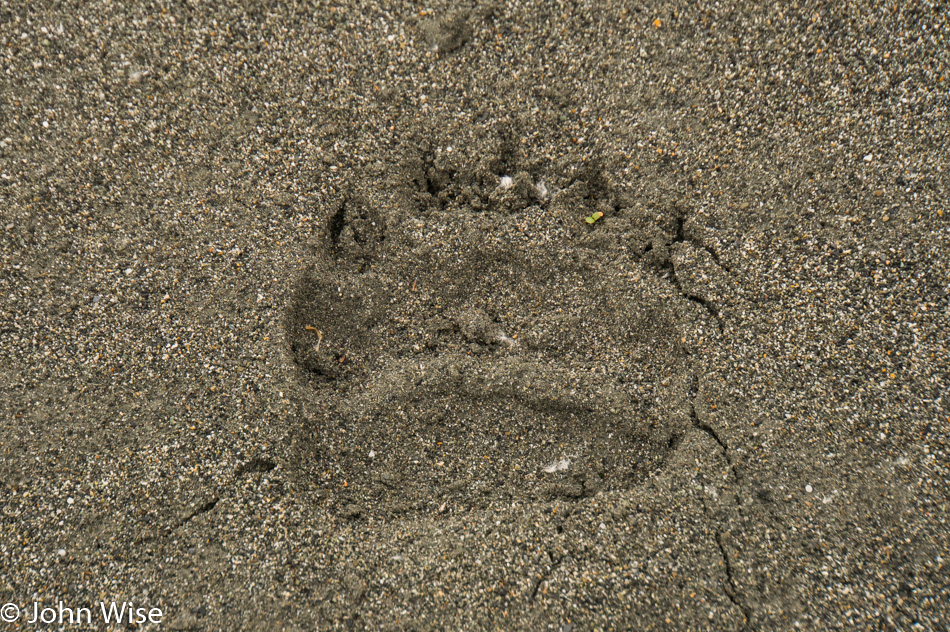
463,336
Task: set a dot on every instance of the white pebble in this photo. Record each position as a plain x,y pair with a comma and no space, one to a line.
61,552
558,466
808,488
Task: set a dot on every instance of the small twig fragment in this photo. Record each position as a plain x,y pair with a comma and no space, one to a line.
319,335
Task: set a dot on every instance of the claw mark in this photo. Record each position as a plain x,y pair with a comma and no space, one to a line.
197,511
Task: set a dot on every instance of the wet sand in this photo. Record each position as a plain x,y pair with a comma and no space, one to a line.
495,316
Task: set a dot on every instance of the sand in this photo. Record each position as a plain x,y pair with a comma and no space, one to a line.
517,316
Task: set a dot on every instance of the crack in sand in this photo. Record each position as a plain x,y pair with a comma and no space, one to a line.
680,237
705,304
544,575
548,570
731,587
709,430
